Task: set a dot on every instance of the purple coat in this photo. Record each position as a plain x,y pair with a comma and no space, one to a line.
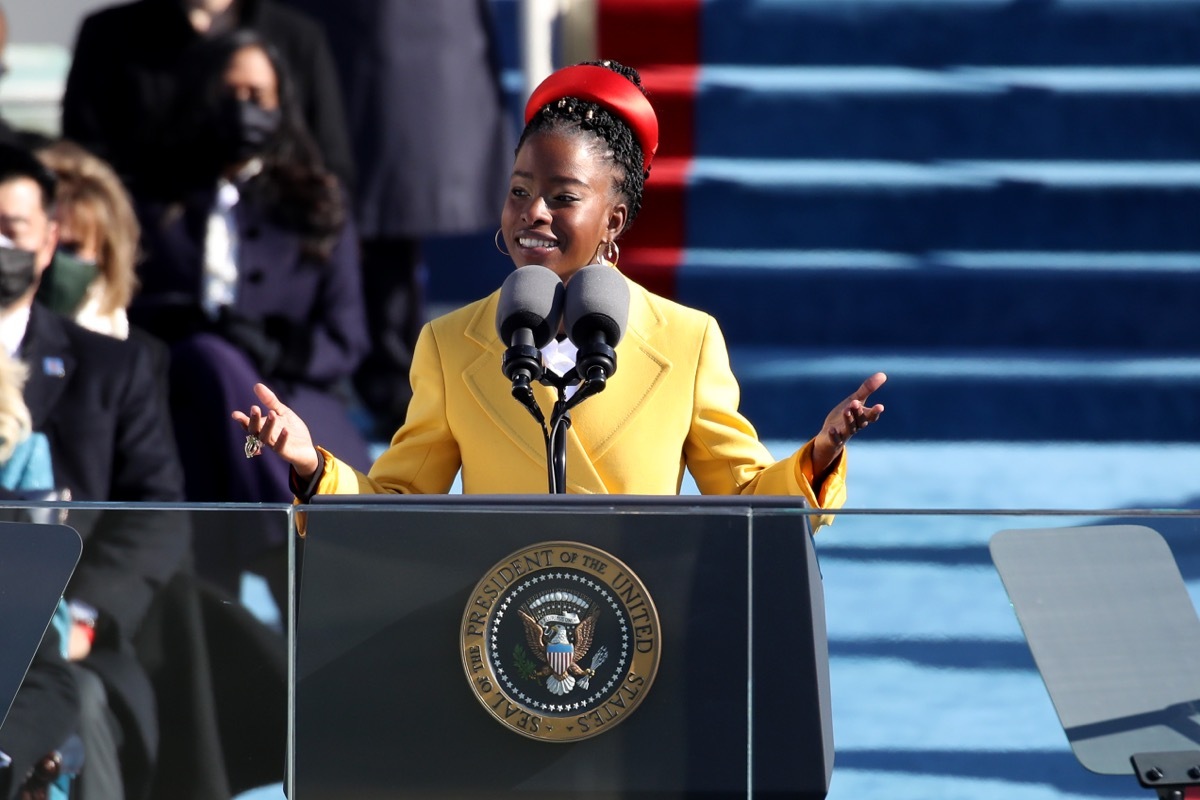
297,325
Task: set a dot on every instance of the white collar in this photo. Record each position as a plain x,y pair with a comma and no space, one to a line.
13,324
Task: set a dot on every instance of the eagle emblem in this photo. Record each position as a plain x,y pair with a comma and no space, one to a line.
560,656
560,641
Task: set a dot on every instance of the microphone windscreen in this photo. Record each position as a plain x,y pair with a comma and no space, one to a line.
597,300
531,297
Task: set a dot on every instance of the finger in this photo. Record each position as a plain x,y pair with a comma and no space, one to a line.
271,425
241,418
269,399
870,385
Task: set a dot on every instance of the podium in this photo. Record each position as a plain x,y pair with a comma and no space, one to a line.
36,562
1116,639
400,690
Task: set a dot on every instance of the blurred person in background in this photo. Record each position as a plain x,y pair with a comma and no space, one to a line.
128,63
93,276
96,400
199,688
426,115
251,272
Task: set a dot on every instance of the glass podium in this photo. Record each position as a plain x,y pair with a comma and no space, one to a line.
882,655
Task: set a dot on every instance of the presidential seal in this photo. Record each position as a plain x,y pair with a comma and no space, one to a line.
560,641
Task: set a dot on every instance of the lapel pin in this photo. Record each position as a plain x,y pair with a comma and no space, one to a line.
53,367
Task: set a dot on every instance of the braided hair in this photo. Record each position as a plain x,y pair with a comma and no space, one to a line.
623,150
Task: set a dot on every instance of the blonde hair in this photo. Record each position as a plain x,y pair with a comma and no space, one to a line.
15,422
94,198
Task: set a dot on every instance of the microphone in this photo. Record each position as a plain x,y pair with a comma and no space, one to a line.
527,318
597,310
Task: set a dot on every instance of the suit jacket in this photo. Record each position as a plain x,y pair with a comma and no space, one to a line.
125,77
100,406
671,404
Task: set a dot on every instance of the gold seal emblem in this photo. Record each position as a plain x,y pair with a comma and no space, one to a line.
560,641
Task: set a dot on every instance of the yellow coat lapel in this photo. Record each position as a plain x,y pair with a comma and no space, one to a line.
598,422
641,371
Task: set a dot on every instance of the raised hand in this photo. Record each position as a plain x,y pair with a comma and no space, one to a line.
846,419
281,430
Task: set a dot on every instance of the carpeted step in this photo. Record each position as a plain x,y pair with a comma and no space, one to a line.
645,33
904,207
921,33
1024,395
1087,301
962,113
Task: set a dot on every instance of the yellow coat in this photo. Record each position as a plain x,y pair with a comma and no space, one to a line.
672,403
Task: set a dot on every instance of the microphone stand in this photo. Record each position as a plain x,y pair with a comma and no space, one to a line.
522,363
560,421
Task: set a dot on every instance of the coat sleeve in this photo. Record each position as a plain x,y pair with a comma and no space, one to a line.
723,451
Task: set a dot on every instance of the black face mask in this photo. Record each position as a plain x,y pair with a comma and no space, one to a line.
17,274
245,128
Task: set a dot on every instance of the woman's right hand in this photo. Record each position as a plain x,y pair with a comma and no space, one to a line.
282,431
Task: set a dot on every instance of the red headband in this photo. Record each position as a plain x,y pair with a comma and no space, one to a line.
611,90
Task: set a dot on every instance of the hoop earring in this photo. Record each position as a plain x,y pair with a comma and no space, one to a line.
496,241
612,253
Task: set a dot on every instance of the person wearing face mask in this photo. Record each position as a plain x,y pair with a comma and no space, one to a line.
97,401
17,272
129,67
93,276
251,272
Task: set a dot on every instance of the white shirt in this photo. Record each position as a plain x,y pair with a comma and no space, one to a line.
12,328
560,358
219,282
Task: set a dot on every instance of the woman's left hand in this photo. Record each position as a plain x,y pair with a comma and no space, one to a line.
848,418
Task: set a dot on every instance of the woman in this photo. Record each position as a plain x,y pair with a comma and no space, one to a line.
576,186
251,273
94,274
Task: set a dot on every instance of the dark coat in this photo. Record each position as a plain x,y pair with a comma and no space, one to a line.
426,113
126,73
313,310
221,679
198,682
100,405
297,324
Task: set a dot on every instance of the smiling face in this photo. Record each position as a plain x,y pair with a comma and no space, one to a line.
562,202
